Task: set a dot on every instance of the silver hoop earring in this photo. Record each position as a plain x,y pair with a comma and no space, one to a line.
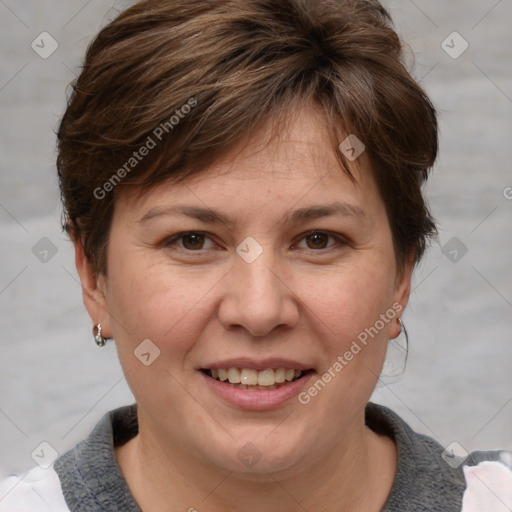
98,338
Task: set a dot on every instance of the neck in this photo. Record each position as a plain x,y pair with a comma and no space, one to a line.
356,475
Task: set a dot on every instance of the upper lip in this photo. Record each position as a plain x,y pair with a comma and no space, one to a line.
259,365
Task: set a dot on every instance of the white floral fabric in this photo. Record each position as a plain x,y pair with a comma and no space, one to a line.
39,490
489,486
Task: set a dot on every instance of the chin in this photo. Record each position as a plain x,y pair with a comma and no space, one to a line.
254,457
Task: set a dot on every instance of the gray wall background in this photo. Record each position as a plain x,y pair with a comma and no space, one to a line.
55,383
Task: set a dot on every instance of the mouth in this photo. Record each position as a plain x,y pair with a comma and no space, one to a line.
251,379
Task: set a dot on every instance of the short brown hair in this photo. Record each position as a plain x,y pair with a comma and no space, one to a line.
235,64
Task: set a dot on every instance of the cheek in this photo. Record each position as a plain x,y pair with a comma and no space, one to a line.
348,300
157,301
351,314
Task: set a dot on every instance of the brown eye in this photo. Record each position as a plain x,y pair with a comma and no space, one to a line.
193,241
190,241
322,241
317,240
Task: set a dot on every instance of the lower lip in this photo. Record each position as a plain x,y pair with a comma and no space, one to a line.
257,400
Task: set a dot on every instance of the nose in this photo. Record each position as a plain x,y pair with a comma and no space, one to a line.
257,298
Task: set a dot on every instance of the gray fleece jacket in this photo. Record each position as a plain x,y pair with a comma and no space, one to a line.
426,479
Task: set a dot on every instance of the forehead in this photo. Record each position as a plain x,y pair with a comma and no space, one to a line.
273,168
291,146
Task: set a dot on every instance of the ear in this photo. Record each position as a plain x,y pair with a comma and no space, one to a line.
94,290
402,293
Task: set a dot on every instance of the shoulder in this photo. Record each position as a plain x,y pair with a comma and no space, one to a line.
431,476
86,478
39,490
89,474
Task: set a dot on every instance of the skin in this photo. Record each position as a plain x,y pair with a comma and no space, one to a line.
304,298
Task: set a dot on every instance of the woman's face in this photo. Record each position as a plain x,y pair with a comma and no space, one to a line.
287,265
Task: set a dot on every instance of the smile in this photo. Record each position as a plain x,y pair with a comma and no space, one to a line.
248,378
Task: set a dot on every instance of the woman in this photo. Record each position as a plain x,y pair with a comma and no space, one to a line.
242,185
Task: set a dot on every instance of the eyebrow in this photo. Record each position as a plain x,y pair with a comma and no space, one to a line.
212,216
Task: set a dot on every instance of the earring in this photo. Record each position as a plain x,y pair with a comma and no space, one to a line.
98,338
404,330
396,357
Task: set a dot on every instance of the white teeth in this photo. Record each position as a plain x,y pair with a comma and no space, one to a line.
266,378
251,377
280,375
234,375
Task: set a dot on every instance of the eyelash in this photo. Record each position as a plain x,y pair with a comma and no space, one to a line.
170,242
